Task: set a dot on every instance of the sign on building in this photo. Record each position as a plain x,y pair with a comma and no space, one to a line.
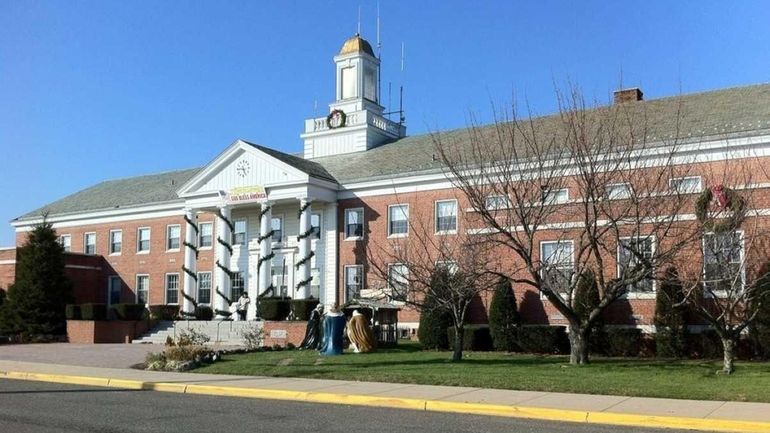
245,194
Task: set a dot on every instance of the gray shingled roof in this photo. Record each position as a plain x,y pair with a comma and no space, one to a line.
731,112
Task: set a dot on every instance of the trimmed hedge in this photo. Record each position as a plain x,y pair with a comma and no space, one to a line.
93,311
475,337
274,308
504,317
72,312
129,311
303,307
623,341
164,312
705,344
543,339
204,313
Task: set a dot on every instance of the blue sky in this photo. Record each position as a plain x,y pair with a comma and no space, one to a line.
99,90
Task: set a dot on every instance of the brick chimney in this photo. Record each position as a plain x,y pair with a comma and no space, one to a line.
628,95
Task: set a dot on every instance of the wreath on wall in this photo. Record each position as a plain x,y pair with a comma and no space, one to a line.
725,198
336,119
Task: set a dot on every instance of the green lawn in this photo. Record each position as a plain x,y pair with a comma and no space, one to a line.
408,364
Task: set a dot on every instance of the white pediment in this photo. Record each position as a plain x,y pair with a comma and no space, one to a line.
242,165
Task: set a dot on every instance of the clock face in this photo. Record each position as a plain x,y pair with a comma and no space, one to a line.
242,168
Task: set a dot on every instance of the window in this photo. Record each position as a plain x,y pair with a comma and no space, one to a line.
116,241
556,258
723,261
239,233
349,83
446,216
354,279
370,84
90,243
204,287
494,202
113,290
631,253
555,196
354,223
142,289
143,240
206,235
398,219
315,283
398,281
618,191
686,185
66,242
173,233
276,225
237,286
315,225
448,265
278,271
172,288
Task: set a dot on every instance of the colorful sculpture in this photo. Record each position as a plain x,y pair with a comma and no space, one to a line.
360,334
334,327
313,332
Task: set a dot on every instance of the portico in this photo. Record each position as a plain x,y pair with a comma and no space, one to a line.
276,221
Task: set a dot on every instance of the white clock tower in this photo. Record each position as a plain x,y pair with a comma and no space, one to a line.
355,122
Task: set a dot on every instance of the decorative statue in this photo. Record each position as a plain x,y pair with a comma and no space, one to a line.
360,334
334,327
313,333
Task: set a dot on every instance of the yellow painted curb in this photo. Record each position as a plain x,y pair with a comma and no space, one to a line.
412,404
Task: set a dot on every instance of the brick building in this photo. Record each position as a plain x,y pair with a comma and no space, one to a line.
258,220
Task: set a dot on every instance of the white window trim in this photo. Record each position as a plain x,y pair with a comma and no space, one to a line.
627,185
61,241
320,225
85,242
506,206
168,238
637,294
572,259
136,292
685,178
390,286
109,242
435,217
245,243
213,236
555,194
449,264
279,216
165,287
211,289
139,240
722,293
398,235
345,224
345,277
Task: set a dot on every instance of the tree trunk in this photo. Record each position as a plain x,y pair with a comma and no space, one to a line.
457,355
728,347
578,344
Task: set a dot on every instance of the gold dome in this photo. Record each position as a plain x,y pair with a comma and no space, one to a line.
356,44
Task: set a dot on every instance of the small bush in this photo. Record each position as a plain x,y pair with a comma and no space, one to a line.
253,337
543,339
624,341
192,353
475,337
504,317
706,345
93,311
760,329
191,337
72,312
274,308
164,312
204,313
303,307
670,321
129,311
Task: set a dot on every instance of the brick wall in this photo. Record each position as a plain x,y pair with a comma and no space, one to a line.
283,333
7,267
114,331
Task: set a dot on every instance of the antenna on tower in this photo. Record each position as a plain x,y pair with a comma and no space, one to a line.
379,54
402,56
359,20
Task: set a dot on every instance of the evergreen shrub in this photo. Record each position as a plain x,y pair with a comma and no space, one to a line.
543,339
475,337
504,318
303,307
128,311
624,341
164,312
203,312
274,308
670,320
72,312
93,311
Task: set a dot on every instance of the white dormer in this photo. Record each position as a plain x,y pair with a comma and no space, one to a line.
355,121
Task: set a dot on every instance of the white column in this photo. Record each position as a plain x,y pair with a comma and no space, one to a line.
265,246
223,257
303,277
190,285
331,296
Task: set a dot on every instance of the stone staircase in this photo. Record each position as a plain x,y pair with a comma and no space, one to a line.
221,332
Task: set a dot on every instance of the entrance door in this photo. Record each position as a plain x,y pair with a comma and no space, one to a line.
282,274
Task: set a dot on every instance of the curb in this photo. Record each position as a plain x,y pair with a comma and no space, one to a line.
563,415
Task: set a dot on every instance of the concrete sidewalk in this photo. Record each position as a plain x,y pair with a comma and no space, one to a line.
602,409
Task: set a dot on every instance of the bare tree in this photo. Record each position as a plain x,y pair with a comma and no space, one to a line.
587,190
442,272
722,279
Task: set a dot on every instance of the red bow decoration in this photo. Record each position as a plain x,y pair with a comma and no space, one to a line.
718,193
